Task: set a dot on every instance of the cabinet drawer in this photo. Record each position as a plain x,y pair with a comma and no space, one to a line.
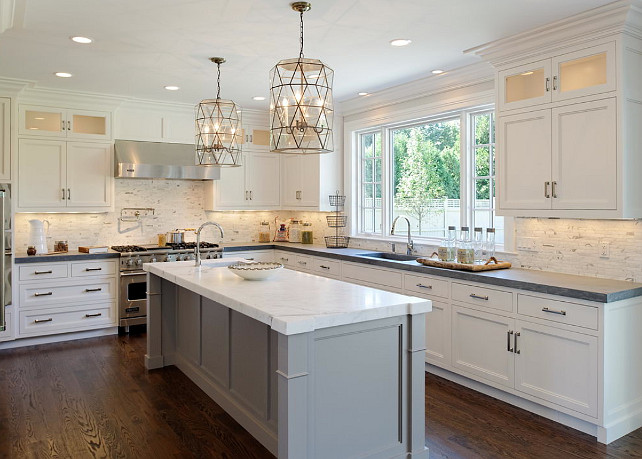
558,311
326,267
48,271
93,268
67,319
481,296
303,263
287,259
425,285
377,276
46,294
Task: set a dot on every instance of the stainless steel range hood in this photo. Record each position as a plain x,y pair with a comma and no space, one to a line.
135,159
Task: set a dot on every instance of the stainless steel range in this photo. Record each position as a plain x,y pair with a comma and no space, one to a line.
132,300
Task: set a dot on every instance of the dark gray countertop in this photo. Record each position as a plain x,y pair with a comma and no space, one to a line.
567,285
69,256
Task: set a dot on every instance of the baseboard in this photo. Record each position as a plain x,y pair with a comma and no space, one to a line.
33,341
619,428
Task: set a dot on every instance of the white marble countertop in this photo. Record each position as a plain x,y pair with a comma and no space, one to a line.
290,302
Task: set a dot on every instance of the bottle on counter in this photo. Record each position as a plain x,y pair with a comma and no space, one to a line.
447,251
265,234
489,245
31,250
281,233
307,237
465,253
478,244
295,231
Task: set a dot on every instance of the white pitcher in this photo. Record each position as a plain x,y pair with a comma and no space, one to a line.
38,235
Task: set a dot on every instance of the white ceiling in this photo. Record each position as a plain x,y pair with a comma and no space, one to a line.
143,45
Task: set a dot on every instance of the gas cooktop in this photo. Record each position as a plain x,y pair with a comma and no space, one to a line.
129,249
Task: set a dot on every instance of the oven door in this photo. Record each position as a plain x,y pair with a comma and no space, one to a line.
132,307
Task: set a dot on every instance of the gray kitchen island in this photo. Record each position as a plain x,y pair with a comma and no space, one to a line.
311,367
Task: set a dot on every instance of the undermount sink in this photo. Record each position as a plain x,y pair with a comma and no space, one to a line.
388,256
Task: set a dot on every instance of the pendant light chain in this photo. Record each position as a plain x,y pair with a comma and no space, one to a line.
301,52
218,81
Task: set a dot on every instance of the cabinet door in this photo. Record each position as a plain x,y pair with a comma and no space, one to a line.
585,72
558,366
42,171
42,121
263,178
584,169
438,333
480,345
300,181
230,190
290,180
256,138
524,161
525,85
5,138
89,174
83,124
310,176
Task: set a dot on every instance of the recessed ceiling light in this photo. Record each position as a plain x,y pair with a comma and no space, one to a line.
63,74
82,40
437,72
400,42
258,98
363,93
172,88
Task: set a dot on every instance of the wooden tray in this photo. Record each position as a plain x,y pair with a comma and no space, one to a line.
489,265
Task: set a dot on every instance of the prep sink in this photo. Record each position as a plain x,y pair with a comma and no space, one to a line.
388,256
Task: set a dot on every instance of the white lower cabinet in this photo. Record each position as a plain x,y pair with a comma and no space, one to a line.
373,276
62,297
7,334
254,255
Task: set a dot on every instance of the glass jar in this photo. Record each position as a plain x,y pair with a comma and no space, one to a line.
447,250
478,243
295,231
31,250
265,234
61,246
465,253
307,237
489,245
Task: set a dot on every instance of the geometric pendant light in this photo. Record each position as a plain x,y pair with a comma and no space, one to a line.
218,129
301,109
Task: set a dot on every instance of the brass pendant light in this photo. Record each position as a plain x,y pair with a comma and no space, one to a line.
301,109
218,129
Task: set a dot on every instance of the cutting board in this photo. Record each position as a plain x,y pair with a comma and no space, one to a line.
491,264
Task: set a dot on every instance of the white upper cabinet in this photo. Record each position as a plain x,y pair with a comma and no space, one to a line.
66,123
308,180
5,138
255,137
584,72
155,124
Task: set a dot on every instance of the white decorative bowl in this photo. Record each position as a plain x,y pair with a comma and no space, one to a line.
255,270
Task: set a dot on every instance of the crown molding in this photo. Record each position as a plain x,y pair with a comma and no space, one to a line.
12,87
623,16
462,77
7,14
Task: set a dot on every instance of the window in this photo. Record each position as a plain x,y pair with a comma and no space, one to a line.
435,173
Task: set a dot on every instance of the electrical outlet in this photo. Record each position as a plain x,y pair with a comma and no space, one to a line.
605,249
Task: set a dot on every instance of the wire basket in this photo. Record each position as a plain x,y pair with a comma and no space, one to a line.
337,221
337,242
336,200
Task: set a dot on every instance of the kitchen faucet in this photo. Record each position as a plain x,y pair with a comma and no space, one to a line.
411,245
197,249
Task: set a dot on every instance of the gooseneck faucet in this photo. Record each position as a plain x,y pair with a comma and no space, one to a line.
197,249
410,245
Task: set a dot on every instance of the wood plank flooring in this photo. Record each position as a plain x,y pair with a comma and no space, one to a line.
93,398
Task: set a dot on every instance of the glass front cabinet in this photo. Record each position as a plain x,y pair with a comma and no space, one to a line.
581,73
65,123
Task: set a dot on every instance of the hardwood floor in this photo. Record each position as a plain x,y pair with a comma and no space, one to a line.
94,398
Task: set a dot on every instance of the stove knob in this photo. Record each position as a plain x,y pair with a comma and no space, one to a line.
185,257
153,260
208,256
130,262
139,262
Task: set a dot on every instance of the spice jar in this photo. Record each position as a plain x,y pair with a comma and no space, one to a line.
264,232
61,246
295,231
307,237
31,250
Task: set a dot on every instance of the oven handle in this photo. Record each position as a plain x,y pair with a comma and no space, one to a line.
140,273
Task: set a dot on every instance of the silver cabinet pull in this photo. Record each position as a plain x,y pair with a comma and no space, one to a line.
546,193
98,314
517,351
43,294
302,262
553,311
93,269
69,125
555,83
246,195
251,195
62,125
324,267
298,195
40,321
250,259
478,297
554,189
63,194
43,272
508,335
99,289
251,138
548,84
68,194
429,287
284,259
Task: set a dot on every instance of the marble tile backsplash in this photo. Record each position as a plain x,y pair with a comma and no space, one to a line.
176,203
